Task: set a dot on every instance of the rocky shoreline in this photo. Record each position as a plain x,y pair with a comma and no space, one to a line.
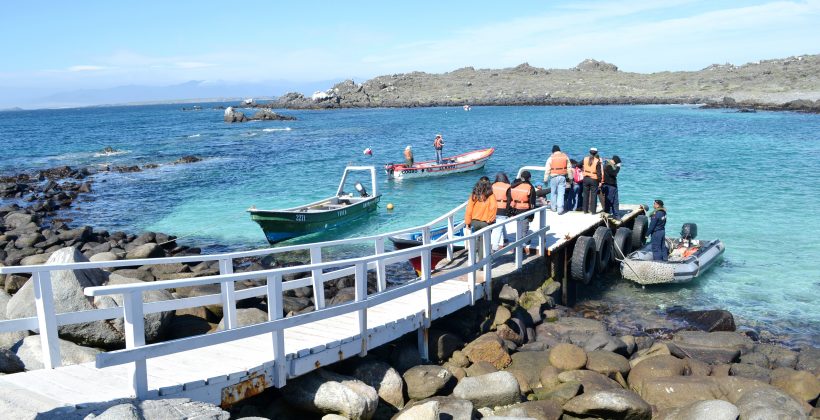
519,356
788,84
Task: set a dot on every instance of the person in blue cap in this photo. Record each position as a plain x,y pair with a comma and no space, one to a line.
657,232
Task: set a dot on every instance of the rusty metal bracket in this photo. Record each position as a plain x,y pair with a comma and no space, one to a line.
254,385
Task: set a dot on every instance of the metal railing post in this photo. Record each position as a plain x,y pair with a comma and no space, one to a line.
275,309
519,249
228,294
486,253
381,274
360,296
542,237
471,275
46,319
135,337
450,235
318,279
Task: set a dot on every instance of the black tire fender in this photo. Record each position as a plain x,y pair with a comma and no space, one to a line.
639,229
603,247
622,243
583,264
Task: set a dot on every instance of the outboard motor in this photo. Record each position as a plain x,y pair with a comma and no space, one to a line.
360,188
689,231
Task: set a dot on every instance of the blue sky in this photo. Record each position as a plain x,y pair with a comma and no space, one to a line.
59,45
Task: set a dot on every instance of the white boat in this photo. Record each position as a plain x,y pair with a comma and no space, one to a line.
469,161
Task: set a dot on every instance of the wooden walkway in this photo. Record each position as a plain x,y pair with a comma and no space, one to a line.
229,371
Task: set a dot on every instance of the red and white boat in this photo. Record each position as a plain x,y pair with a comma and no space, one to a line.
464,162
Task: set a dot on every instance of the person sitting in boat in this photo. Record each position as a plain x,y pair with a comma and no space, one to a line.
500,188
408,156
438,144
481,209
657,232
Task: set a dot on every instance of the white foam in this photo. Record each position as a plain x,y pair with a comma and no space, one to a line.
193,136
270,130
114,153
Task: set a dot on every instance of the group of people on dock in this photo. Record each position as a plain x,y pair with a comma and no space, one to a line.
577,185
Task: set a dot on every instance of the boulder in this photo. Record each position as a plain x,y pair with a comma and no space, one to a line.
149,250
607,362
133,273
548,377
502,315
718,339
707,409
709,321
17,220
567,357
776,356
384,379
246,316
30,353
769,403
426,411
442,345
13,284
591,381
539,410
508,295
489,348
232,116
67,287
678,391
561,329
9,362
600,341
427,380
712,355
325,392
610,404
809,360
656,349
529,365
561,393
490,390
746,370
104,256
655,367
450,407
801,385
480,368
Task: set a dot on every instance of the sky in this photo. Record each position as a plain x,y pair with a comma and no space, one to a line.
54,46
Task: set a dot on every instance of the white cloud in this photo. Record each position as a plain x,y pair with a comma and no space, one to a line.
85,68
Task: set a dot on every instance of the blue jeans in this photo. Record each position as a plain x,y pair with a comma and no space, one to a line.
438,155
499,234
611,194
577,190
558,183
659,250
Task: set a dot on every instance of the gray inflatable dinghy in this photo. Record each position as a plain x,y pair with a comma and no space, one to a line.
688,258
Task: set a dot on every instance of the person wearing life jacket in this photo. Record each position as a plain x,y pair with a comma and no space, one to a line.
610,187
438,144
500,188
408,156
576,179
521,197
481,209
657,232
556,175
593,176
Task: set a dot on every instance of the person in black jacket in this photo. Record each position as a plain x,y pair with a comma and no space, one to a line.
657,231
610,187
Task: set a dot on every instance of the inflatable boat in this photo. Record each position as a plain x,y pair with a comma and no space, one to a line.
688,259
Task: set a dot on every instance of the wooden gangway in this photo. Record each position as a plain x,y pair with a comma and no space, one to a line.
226,366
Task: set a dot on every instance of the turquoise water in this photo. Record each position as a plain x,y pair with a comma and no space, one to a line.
748,179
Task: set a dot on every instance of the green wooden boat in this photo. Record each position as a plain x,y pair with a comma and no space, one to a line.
328,213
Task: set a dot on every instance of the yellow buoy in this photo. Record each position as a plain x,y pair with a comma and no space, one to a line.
389,206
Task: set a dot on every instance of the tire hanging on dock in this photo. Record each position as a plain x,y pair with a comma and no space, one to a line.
639,229
603,247
582,267
622,243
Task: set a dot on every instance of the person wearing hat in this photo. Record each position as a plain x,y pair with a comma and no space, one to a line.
593,176
610,187
408,156
556,175
438,144
657,232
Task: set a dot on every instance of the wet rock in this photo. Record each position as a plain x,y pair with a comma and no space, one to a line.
656,349
490,390
610,404
480,368
809,360
601,341
801,385
30,353
655,367
750,371
712,355
709,321
488,348
769,404
719,339
567,357
591,381
678,391
384,379
560,393
711,409
561,329
149,250
187,159
539,410
529,365
442,345
607,362
776,356
232,116
427,380
325,392
268,115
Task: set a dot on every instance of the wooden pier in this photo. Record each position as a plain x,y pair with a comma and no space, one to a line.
240,361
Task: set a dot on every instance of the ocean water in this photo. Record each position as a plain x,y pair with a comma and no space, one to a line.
750,179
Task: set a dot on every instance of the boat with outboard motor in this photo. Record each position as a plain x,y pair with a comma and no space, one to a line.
328,213
411,239
688,259
464,162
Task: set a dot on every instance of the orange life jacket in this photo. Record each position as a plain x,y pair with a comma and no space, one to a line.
521,196
437,143
500,193
558,164
590,168
408,154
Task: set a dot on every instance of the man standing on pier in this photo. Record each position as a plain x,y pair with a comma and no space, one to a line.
593,174
558,162
610,188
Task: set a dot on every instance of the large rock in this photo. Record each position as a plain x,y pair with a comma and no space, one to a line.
610,404
709,321
564,327
538,410
809,360
450,407
8,339
746,370
568,357
713,347
776,356
655,367
656,349
30,353
386,380
247,316
560,393
67,288
801,385
607,362
156,323
427,380
678,391
150,250
442,345
490,390
711,355
591,381
325,392
10,363
529,365
232,116
769,404
425,411
489,348
707,409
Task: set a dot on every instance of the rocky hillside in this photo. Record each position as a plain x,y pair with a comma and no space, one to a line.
765,84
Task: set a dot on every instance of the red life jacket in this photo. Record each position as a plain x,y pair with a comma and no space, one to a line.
500,193
521,196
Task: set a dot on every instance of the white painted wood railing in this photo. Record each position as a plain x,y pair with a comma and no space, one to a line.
134,309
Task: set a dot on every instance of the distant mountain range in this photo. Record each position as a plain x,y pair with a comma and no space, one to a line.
191,91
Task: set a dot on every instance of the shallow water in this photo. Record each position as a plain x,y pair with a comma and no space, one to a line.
749,179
